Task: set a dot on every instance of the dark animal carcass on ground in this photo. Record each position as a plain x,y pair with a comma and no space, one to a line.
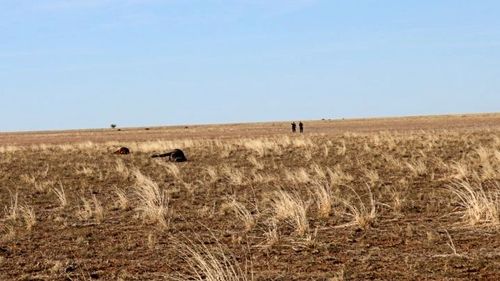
122,150
175,155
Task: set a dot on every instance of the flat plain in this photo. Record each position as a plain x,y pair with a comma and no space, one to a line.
413,198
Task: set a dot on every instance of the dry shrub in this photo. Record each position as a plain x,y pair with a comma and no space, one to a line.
235,176
338,176
84,213
487,163
29,216
323,198
212,174
12,211
210,264
341,148
358,212
320,174
243,214
84,170
122,200
121,169
292,209
172,169
417,167
478,206
460,170
98,210
372,176
255,163
153,202
272,235
61,195
298,176
262,146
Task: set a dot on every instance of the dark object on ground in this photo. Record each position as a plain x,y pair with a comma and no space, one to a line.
301,127
175,155
293,127
122,150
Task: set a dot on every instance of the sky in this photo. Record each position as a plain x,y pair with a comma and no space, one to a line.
71,64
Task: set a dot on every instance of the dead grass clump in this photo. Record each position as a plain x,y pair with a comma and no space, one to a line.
212,174
417,167
341,148
153,202
122,169
320,174
84,170
358,212
210,264
29,216
235,176
338,177
29,179
323,198
372,176
84,213
61,195
9,149
272,234
12,211
263,146
478,206
243,214
488,169
255,163
298,176
173,170
460,170
291,208
398,196
122,199
98,210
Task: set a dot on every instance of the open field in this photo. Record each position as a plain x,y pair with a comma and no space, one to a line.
414,198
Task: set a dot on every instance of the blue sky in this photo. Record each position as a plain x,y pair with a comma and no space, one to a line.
89,63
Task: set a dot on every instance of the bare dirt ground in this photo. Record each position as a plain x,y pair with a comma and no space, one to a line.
414,198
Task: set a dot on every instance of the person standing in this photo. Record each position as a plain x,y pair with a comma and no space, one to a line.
301,127
294,126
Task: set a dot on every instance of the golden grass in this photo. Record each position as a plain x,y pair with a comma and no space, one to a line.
300,195
210,264
478,206
292,209
61,195
153,202
359,212
244,215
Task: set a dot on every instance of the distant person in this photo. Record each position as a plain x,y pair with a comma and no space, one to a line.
301,127
294,126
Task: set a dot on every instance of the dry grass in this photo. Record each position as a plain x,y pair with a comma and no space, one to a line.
477,205
293,209
244,215
29,216
153,202
122,199
324,199
359,212
210,264
343,206
417,167
61,195
12,211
